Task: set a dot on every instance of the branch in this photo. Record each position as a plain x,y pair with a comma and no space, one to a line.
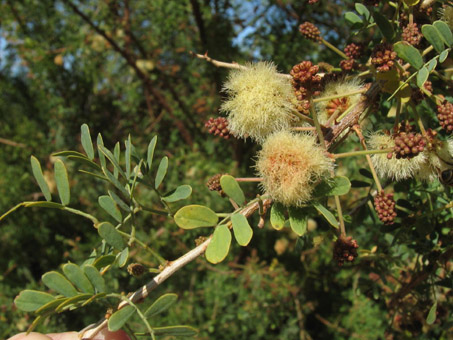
12,143
139,295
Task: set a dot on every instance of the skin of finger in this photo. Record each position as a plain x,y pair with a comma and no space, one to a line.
105,334
30,336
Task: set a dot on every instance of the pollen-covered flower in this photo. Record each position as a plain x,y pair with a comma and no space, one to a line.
291,165
392,167
260,101
439,158
337,106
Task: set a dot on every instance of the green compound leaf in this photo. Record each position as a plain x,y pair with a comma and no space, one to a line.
37,173
31,300
161,172
70,302
409,54
434,37
95,278
59,283
119,318
111,235
62,182
78,278
432,314
384,25
108,204
277,216
241,228
422,76
298,219
178,194
444,31
150,154
104,261
327,214
161,304
219,246
175,331
195,216
87,144
232,189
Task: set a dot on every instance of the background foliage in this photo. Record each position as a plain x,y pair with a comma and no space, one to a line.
123,67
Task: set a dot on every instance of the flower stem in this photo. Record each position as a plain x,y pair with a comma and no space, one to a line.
333,48
342,95
361,153
249,179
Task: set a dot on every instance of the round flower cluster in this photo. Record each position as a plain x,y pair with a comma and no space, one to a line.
412,34
385,207
310,31
445,116
260,101
345,249
291,165
383,57
218,127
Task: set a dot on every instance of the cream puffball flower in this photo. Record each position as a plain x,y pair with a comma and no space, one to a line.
290,166
260,101
438,160
396,169
326,108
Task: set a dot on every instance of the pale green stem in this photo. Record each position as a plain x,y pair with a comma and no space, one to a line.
419,121
361,153
81,213
323,144
11,210
333,48
302,117
342,95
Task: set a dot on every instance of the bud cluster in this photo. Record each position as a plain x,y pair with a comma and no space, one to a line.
445,116
213,184
136,269
408,144
383,57
411,34
385,207
218,127
345,249
310,31
306,83
353,51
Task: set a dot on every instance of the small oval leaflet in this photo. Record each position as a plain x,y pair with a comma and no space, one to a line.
409,54
68,303
50,306
120,317
37,173
122,257
108,204
444,31
175,331
422,76
161,172
298,218
104,261
232,189
59,283
220,244
180,193
327,214
161,304
78,277
87,144
432,314
277,216
31,300
195,216
242,231
95,278
62,182
434,37
150,153
111,235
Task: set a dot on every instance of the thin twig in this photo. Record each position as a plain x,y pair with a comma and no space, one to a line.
12,143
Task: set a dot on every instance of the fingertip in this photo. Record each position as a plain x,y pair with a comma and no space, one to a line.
105,334
30,336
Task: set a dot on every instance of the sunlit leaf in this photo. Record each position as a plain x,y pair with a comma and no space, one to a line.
298,219
219,246
432,314
327,214
108,204
87,144
99,143
434,37
443,56
95,278
175,331
161,172
444,31
122,257
31,300
62,182
409,54
119,201
70,302
422,76
59,283
180,193
195,216
232,189
150,153
78,278
50,306
37,173
277,216
112,159
241,228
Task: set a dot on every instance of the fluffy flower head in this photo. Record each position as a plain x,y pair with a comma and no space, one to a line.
396,169
290,166
260,101
327,108
438,159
